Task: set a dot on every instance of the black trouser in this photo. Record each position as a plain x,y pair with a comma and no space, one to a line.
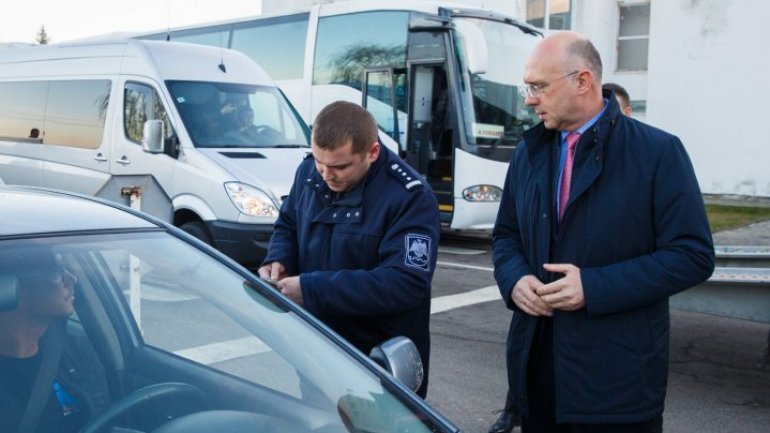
541,392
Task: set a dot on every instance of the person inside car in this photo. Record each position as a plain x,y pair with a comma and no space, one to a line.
38,357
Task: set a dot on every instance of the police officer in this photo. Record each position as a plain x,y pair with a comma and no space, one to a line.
356,240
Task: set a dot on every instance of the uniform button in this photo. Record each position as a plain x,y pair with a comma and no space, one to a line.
326,195
545,216
358,213
316,185
409,178
348,215
334,215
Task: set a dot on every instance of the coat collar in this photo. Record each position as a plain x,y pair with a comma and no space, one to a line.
542,146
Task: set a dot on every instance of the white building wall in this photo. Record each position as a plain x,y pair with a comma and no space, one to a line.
709,84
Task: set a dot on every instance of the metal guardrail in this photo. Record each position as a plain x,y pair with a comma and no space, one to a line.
737,292
739,288
742,256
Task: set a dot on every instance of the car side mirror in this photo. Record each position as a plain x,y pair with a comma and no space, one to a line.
152,136
399,356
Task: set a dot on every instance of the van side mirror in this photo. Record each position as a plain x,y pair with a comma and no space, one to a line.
475,46
152,136
400,357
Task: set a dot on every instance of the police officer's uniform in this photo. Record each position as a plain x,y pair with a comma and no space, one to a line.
365,257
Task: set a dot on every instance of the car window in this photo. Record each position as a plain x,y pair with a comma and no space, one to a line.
163,310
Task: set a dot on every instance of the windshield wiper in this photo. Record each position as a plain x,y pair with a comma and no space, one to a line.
507,136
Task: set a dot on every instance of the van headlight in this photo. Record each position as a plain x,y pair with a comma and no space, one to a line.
251,201
482,193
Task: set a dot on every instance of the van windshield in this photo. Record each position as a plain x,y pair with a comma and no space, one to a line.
237,115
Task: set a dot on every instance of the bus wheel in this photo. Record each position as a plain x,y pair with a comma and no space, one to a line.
197,229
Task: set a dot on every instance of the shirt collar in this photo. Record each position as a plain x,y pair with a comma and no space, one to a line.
588,124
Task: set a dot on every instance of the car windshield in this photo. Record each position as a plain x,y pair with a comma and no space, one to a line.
237,115
494,112
157,309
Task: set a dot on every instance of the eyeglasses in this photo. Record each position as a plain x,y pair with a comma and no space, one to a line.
533,90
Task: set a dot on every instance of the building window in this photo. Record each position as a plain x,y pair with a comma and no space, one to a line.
550,14
633,37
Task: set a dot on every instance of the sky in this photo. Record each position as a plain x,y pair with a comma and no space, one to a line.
67,20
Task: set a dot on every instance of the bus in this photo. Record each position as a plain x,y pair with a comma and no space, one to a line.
442,82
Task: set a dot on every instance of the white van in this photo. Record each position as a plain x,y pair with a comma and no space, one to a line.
198,136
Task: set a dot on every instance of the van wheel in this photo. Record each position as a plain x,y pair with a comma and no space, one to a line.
197,229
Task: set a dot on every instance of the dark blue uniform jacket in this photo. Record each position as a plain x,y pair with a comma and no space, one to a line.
636,227
366,258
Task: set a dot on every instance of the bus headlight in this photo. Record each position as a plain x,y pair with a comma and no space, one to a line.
251,201
482,193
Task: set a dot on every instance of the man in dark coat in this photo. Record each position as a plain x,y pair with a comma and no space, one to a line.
589,246
357,238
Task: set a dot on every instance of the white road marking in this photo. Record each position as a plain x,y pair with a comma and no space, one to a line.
224,350
159,294
450,302
459,251
460,265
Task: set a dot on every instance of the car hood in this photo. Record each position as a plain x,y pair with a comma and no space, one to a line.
271,168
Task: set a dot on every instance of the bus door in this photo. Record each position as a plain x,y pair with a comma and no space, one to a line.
384,95
430,146
431,133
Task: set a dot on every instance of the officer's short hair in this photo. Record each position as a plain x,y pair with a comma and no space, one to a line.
619,92
342,121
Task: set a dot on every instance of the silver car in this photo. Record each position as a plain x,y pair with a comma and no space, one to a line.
111,320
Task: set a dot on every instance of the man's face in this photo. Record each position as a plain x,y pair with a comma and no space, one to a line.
49,296
555,89
342,169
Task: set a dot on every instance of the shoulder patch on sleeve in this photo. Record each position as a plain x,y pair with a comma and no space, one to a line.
417,251
405,175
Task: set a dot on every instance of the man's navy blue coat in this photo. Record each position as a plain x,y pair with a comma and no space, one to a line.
366,258
636,227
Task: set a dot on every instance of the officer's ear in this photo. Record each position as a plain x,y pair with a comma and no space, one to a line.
374,152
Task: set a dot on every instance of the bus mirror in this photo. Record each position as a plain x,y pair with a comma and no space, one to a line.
152,137
475,46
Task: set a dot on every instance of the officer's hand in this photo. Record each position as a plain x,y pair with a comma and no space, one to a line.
566,293
290,287
272,271
525,297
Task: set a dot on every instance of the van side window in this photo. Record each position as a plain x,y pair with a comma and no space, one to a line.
62,112
22,108
75,113
140,104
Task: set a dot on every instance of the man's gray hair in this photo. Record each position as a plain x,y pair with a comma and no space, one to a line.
584,50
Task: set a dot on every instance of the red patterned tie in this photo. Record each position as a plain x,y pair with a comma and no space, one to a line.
566,176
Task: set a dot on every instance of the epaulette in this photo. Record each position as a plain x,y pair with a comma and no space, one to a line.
405,175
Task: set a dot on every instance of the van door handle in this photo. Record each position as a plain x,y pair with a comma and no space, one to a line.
123,160
100,157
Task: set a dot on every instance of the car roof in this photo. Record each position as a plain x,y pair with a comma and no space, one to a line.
27,210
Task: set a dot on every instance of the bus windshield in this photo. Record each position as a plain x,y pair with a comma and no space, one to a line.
237,115
494,112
